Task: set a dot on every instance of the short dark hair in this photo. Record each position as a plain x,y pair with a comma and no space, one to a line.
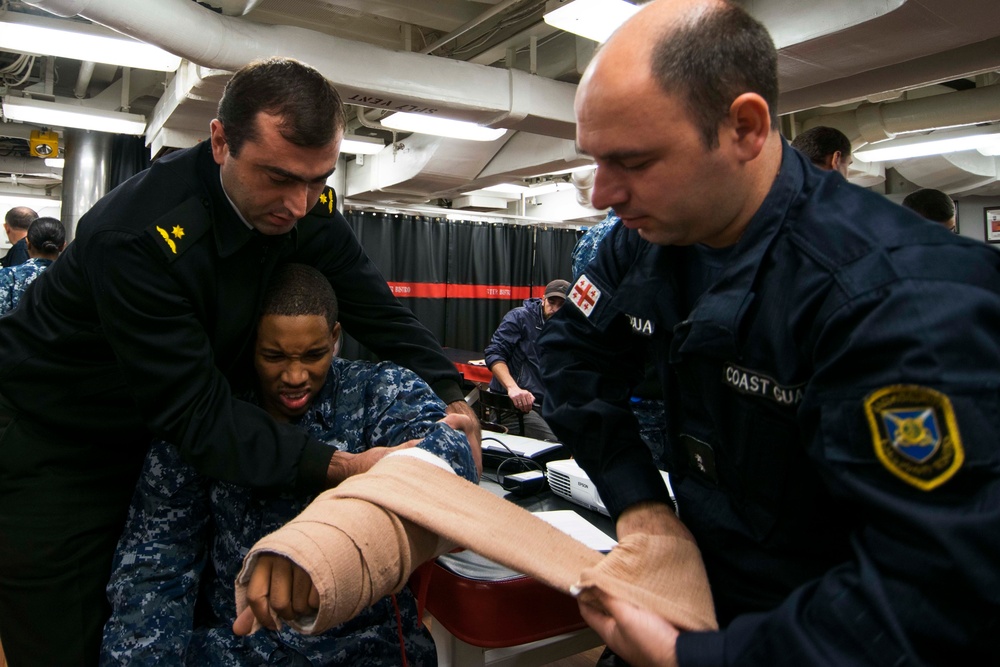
932,204
310,107
818,143
20,217
714,59
47,235
299,289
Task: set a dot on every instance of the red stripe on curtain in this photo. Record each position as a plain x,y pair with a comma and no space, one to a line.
414,290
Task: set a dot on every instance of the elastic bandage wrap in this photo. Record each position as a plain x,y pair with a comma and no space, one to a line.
361,541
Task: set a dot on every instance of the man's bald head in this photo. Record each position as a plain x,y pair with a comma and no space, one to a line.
707,52
678,111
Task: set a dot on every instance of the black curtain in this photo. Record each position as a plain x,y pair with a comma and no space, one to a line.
460,277
554,249
490,273
412,253
129,156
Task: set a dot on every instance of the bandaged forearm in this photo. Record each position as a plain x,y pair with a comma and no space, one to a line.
361,540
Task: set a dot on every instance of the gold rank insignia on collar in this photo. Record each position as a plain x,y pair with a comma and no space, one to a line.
326,207
915,434
180,228
171,238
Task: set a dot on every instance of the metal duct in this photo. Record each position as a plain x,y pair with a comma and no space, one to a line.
583,181
962,173
428,167
364,74
29,166
875,122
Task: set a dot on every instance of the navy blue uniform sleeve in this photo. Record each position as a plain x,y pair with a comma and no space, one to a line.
368,309
923,586
589,366
158,564
503,343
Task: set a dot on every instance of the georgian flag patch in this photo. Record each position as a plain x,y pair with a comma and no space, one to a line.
584,295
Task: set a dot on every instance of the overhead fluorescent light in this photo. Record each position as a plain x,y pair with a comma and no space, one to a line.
54,114
934,143
25,33
593,19
504,190
358,145
441,127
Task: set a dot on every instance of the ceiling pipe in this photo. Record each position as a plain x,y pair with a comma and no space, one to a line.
470,25
583,180
363,74
83,79
884,120
29,166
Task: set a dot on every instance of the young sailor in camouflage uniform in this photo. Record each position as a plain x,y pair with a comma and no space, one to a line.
186,535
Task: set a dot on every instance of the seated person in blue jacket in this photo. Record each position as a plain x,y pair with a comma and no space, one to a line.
512,357
187,535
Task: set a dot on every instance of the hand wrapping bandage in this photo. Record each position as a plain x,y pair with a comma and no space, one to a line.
361,540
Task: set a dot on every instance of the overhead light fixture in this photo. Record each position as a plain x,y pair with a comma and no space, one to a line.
54,114
441,127
358,145
934,143
25,33
593,19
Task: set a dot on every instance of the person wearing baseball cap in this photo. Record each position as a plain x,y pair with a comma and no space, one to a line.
512,356
557,289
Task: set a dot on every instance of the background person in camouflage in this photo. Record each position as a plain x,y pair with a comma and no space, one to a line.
586,247
169,549
45,239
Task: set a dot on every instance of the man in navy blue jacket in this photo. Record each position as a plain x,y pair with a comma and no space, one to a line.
512,356
829,364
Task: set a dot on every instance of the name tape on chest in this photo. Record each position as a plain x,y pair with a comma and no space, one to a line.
753,383
640,325
915,434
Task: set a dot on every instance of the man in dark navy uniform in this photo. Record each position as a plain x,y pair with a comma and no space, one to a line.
144,328
16,224
829,366
826,147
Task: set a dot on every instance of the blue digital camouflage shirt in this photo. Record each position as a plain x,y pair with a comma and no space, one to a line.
184,530
586,248
15,279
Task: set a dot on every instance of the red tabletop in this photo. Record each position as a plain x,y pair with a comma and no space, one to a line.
471,372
